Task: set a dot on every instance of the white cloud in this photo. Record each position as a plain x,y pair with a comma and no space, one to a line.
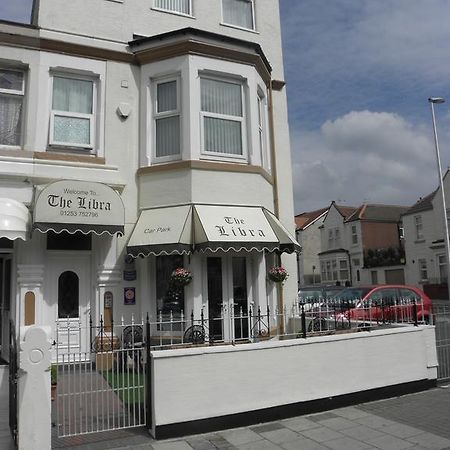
361,157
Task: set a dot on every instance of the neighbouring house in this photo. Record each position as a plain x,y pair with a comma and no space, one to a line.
362,245
137,137
426,260
308,236
334,258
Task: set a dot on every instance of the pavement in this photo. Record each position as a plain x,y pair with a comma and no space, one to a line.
419,421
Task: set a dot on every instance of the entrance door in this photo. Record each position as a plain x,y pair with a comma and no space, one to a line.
227,293
5,300
68,295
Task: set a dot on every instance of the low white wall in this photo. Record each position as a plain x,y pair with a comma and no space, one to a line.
211,382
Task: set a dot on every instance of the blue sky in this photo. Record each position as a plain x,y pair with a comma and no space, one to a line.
359,73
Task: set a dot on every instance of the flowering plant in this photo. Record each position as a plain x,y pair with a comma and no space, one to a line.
181,277
277,274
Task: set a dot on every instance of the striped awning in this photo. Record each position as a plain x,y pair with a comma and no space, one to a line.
198,228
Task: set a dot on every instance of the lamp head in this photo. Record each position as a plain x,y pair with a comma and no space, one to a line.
436,100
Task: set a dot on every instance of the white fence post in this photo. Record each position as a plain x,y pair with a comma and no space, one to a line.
34,407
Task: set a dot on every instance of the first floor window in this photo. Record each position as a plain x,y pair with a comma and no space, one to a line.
222,116
239,13
343,270
354,235
72,115
419,227
167,118
177,6
12,92
442,265
423,273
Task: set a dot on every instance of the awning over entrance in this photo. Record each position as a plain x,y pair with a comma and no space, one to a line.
188,228
14,219
72,205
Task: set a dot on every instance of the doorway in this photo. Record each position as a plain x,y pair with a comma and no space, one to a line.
67,295
5,299
227,293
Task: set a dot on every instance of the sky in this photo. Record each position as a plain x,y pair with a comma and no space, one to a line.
359,74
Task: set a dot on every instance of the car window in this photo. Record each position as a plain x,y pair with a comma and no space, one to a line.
350,295
409,296
389,296
309,295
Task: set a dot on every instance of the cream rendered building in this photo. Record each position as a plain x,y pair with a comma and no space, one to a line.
137,137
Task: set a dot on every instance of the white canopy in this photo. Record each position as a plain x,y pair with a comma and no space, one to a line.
14,219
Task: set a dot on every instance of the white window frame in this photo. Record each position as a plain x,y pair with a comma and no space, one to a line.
173,11
91,117
252,2
441,260
241,119
330,239
354,235
418,225
423,270
164,115
337,237
14,92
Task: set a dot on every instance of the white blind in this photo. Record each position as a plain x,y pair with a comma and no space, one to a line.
72,95
168,136
167,96
238,12
221,103
181,6
221,97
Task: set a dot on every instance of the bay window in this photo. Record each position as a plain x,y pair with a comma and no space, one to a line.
239,13
222,117
12,92
167,119
73,111
176,6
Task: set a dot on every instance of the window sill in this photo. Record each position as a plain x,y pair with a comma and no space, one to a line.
237,27
175,13
55,156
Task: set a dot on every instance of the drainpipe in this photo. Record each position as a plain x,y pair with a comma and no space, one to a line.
280,299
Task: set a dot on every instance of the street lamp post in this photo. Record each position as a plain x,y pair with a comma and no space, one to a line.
433,101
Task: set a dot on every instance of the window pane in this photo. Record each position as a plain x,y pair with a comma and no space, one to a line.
11,80
72,95
238,12
221,97
223,136
74,130
181,6
10,119
167,96
68,297
168,136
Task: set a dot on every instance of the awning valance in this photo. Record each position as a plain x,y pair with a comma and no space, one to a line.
188,228
14,219
79,206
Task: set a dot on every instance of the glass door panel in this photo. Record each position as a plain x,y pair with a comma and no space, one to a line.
240,304
215,297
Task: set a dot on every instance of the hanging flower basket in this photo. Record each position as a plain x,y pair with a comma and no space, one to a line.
277,274
181,277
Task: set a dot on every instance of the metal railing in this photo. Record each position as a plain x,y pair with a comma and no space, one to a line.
441,319
104,386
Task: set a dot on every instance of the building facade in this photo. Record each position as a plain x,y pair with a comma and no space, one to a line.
153,139
426,256
362,245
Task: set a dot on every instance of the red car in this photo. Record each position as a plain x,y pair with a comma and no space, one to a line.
389,303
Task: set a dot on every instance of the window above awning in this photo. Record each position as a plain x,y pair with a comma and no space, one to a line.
14,219
189,228
79,206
